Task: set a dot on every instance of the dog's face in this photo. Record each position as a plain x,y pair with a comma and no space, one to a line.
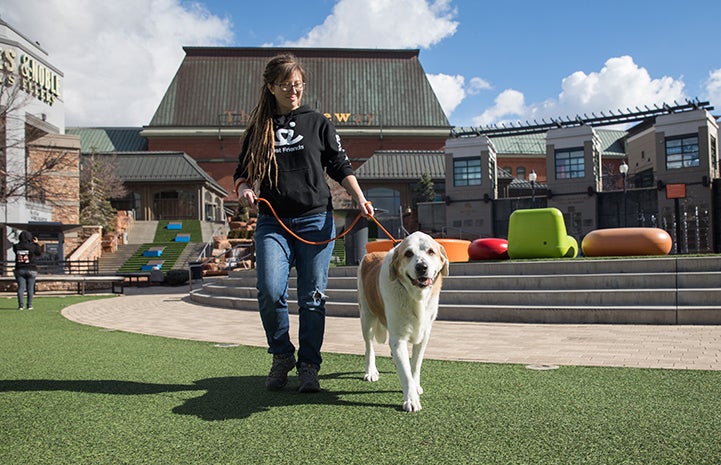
418,260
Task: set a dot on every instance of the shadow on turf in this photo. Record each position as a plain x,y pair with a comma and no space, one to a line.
224,398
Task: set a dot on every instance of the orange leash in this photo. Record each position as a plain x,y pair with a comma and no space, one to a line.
339,236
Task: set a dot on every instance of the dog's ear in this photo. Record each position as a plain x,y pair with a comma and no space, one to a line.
393,273
444,269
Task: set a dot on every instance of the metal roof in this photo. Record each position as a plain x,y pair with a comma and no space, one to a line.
110,139
160,167
219,86
403,164
612,143
531,144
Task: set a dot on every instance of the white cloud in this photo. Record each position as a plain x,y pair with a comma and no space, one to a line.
477,84
383,24
448,89
713,88
452,90
620,84
508,103
117,57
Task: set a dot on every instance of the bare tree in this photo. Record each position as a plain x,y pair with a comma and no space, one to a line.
98,185
24,175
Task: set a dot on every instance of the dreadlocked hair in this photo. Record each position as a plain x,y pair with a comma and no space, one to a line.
260,162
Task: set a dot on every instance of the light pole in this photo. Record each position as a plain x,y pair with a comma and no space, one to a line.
623,169
532,177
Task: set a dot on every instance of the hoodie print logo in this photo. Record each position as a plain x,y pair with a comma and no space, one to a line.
340,148
23,256
286,140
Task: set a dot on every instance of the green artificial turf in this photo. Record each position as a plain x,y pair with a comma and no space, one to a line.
192,227
73,394
170,255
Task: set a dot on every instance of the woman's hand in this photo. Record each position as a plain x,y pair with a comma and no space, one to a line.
367,209
350,183
246,195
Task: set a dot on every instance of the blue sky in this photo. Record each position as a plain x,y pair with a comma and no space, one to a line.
488,62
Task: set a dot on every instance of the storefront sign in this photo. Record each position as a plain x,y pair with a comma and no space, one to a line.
241,118
675,191
32,76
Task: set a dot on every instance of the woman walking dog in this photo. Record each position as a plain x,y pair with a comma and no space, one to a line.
286,151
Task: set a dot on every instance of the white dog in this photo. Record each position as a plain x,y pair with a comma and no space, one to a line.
398,295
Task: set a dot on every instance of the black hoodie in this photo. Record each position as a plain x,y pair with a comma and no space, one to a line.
306,146
26,251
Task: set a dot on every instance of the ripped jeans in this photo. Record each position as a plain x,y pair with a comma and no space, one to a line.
276,253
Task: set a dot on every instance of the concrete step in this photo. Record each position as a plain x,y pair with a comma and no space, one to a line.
534,282
635,314
142,232
555,297
666,290
110,263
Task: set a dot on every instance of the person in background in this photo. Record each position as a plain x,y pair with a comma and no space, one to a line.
26,251
287,150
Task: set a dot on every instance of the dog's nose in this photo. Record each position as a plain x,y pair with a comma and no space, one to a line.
421,268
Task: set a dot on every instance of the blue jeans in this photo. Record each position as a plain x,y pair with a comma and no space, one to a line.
276,253
26,282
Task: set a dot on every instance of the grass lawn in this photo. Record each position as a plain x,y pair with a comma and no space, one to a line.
72,394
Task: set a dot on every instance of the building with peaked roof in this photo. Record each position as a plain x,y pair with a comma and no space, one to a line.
166,185
379,100
161,185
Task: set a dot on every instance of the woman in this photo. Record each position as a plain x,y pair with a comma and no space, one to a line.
25,268
286,150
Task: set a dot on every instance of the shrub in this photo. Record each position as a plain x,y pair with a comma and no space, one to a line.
176,277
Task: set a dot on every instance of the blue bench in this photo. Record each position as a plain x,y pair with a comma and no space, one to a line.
182,238
154,252
152,265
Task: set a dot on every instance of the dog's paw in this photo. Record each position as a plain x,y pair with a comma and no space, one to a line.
412,405
372,376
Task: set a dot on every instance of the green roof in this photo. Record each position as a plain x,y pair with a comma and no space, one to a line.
218,86
110,139
531,144
612,143
404,164
160,167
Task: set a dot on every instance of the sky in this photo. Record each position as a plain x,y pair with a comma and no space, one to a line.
488,62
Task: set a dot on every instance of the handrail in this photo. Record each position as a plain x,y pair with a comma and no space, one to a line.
73,267
202,261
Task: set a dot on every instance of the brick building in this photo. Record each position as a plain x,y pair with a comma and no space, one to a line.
379,101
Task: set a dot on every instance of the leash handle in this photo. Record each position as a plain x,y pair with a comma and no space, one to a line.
339,236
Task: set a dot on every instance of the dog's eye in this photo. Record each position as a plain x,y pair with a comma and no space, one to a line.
409,253
431,252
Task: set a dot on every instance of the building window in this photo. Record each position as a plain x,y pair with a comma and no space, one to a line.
570,164
521,172
714,156
682,152
466,172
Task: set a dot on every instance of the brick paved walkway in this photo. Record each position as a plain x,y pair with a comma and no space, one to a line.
168,312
